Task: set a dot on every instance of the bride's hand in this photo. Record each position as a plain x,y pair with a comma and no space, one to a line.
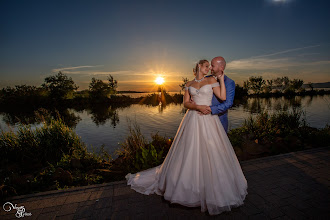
204,109
221,76
192,101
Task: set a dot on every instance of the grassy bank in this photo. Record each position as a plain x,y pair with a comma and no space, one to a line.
47,158
269,134
54,157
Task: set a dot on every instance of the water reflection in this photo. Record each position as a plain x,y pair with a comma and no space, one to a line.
309,100
101,113
258,105
105,124
161,107
34,116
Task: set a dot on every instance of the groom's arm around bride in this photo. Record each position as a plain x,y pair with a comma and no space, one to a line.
219,107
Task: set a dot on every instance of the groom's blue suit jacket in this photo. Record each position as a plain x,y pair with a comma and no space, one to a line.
221,107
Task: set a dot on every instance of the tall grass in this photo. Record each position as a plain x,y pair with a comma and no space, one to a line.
48,157
134,141
47,143
278,124
136,153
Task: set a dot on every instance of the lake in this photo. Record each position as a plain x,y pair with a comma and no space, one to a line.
109,125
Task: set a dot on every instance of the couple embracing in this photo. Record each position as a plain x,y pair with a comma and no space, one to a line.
201,167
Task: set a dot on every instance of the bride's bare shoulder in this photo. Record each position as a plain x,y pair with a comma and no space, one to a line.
211,80
189,83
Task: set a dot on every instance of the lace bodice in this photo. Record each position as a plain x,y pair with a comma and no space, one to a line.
203,95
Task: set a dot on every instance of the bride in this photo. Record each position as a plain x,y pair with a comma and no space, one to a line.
201,167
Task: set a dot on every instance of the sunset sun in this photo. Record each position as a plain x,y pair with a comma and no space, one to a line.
159,80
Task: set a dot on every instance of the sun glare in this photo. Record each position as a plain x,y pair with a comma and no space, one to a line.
159,80
280,1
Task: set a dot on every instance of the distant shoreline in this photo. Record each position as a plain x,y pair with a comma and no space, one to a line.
140,92
324,85
130,92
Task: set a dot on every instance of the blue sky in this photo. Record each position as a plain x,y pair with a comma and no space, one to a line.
135,41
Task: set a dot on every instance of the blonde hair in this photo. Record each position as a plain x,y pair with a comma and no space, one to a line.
196,68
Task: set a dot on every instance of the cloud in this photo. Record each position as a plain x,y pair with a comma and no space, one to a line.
287,51
107,72
266,62
259,64
307,54
86,71
72,68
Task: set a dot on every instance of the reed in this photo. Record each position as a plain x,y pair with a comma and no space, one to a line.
48,157
268,134
136,153
276,124
46,143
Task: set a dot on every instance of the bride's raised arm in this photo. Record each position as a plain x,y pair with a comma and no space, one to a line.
219,89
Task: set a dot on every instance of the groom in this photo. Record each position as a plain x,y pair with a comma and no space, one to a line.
218,107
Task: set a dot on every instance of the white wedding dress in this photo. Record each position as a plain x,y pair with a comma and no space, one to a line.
201,167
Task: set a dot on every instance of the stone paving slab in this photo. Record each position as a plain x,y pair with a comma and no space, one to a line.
287,186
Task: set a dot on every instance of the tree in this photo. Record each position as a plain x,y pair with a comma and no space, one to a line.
256,84
296,84
268,86
112,85
311,86
246,85
278,83
59,86
285,82
281,83
100,89
185,80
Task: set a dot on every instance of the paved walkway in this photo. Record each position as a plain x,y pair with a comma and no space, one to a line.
287,186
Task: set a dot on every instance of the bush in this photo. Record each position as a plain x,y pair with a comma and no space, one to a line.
279,124
47,143
147,157
47,158
137,154
59,86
